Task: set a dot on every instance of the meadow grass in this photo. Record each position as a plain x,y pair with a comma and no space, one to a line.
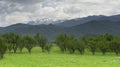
58,59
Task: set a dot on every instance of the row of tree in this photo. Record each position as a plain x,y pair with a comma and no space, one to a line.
13,41
104,43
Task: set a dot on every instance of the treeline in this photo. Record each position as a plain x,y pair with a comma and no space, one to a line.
14,42
104,43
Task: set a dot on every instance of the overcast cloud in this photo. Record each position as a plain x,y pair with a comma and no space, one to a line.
16,11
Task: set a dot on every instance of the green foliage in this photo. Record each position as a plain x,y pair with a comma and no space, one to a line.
29,43
61,42
8,39
41,40
21,43
92,44
71,43
81,44
103,46
108,37
115,45
103,43
12,40
48,47
3,47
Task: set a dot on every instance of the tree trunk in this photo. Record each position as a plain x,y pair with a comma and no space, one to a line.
117,53
14,49
43,50
29,50
1,56
93,52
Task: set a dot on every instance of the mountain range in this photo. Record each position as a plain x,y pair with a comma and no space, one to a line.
86,26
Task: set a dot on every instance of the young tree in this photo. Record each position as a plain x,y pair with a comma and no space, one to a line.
115,45
48,47
15,40
29,43
61,42
103,43
12,39
8,40
9,46
92,43
3,47
71,44
103,46
21,43
81,44
43,43
41,40
108,37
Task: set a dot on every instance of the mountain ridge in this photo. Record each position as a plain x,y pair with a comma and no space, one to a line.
74,22
93,27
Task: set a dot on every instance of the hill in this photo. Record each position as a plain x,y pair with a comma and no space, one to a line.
74,22
98,26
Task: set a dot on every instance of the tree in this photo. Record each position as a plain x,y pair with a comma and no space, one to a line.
71,43
115,45
12,39
61,42
21,43
29,43
48,47
81,44
103,43
41,40
92,44
9,46
3,47
103,46
108,37
43,43
8,40
15,39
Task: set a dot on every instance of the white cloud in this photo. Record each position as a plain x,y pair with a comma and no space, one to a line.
14,18
14,11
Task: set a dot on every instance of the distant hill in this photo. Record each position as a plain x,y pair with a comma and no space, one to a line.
49,31
74,22
96,26
0,27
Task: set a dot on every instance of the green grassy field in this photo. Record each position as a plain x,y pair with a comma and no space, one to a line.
58,59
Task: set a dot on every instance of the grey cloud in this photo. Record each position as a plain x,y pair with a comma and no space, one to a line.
23,10
9,8
24,1
75,10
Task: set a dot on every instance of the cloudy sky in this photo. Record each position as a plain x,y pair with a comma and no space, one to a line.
21,11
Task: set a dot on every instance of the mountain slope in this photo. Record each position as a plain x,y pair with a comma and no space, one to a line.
74,22
49,31
97,26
